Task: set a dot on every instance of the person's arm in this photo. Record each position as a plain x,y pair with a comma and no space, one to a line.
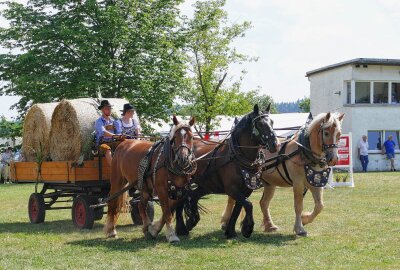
383,149
101,130
118,127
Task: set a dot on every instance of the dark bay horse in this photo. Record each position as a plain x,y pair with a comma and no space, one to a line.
163,168
224,167
306,158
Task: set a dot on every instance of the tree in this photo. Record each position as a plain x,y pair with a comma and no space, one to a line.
304,105
263,101
69,49
210,55
10,129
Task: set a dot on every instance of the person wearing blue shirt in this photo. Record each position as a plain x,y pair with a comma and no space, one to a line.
105,130
388,147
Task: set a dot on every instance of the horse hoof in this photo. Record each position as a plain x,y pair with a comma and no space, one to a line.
247,232
173,239
112,235
271,229
152,231
149,236
302,234
223,226
230,235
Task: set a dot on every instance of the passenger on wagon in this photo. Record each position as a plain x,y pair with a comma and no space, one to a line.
128,125
105,130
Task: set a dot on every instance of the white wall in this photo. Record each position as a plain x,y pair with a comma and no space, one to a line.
323,85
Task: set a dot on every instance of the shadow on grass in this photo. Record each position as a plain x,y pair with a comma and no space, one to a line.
64,226
215,239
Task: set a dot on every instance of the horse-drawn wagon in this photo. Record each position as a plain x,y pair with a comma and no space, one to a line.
68,185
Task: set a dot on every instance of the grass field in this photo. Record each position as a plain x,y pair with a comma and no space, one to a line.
358,229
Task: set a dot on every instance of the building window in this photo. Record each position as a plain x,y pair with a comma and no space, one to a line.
362,92
375,140
348,92
395,93
395,137
381,92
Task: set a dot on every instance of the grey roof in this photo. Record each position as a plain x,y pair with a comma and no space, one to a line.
358,61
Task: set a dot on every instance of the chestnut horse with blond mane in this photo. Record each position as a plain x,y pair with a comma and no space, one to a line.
302,163
163,168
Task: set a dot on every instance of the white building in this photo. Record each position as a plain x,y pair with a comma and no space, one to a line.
368,91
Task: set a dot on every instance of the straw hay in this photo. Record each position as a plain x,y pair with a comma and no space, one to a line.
36,131
72,127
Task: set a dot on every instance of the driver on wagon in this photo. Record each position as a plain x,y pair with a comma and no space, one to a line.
106,130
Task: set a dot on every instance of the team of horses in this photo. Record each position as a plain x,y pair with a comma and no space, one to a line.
181,169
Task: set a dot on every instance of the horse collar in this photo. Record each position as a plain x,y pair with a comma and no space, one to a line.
317,178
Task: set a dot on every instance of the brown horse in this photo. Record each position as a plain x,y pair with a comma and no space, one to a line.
163,168
303,163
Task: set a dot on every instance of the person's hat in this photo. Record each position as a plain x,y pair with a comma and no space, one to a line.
104,103
127,107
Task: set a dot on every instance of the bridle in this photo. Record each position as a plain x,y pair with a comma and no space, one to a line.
176,167
263,138
324,145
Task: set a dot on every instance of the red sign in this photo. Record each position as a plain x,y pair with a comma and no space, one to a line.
344,151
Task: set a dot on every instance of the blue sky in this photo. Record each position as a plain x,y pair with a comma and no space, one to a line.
292,37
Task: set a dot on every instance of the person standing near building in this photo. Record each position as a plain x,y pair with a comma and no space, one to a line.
388,148
6,158
363,152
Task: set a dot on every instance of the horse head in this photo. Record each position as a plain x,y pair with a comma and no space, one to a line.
262,129
324,132
181,139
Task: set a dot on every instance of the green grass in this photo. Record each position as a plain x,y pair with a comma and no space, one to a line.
358,229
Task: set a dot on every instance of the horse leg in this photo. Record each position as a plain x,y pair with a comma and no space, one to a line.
180,226
114,206
192,208
143,203
298,189
230,229
248,221
170,234
318,206
226,215
267,223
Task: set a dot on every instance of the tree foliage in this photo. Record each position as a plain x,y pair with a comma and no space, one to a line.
304,105
10,129
210,90
70,49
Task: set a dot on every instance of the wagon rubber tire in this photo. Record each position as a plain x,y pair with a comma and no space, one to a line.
137,220
36,208
82,215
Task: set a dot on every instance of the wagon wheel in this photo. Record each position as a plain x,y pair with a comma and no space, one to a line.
36,208
82,215
137,220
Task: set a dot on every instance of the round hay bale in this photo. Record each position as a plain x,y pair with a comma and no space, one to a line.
36,131
72,127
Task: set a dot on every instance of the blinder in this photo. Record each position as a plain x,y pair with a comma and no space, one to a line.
264,138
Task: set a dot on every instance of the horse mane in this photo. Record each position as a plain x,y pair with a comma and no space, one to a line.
180,125
243,123
334,119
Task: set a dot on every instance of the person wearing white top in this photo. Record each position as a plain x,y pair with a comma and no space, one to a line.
363,152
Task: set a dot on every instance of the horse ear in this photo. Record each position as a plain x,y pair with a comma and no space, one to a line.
175,120
268,109
192,120
328,116
341,116
256,109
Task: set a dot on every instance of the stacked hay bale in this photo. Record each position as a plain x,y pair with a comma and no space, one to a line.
72,126
36,131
